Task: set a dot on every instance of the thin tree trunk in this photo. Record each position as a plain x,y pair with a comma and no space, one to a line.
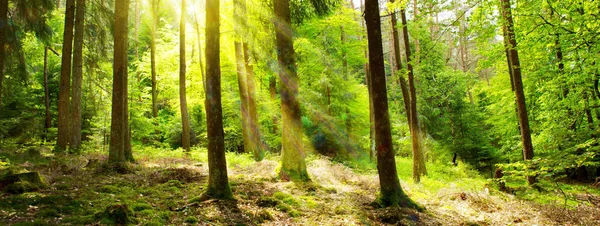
65,79
255,136
48,121
293,165
153,31
200,53
345,76
418,158
185,120
218,183
515,67
368,83
77,76
273,95
241,77
118,127
391,192
3,28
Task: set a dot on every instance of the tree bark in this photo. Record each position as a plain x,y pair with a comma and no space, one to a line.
398,57
3,28
293,165
218,183
200,52
418,158
48,119
255,136
368,83
118,127
515,68
273,95
77,76
241,77
185,120
153,31
65,79
391,192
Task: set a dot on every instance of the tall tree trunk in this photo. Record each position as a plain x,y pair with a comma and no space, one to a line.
185,120
515,68
118,127
293,165
418,158
391,192
155,5
241,77
65,79
255,136
3,28
200,51
345,76
241,74
218,183
273,96
77,76
48,121
368,83
401,79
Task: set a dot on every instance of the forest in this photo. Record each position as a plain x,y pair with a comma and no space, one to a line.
299,112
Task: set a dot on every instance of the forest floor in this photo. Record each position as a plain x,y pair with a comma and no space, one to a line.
163,187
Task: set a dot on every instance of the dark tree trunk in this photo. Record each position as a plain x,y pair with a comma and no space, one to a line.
155,5
185,120
515,67
391,192
65,79
218,183
418,158
401,80
118,127
293,165
48,121
77,76
3,28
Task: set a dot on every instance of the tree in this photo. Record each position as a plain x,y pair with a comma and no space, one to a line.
218,183
77,77
418,158
119,119
65,79
517,82
155,4
391,192
185,120
241,75
293,165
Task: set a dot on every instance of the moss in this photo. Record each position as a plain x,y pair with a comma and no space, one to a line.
399,199
80,220
264,215
141,206
267,202
111,189
152,223
191,220
116,214
48,213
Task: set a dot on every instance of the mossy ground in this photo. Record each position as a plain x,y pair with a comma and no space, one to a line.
164,185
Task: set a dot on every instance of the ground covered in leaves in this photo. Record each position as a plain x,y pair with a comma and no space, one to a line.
163,187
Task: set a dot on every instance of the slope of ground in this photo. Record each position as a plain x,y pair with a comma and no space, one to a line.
163,187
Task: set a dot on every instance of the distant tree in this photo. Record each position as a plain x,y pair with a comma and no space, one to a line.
64,92
185,119
293,165
119,119
218,183
391,192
